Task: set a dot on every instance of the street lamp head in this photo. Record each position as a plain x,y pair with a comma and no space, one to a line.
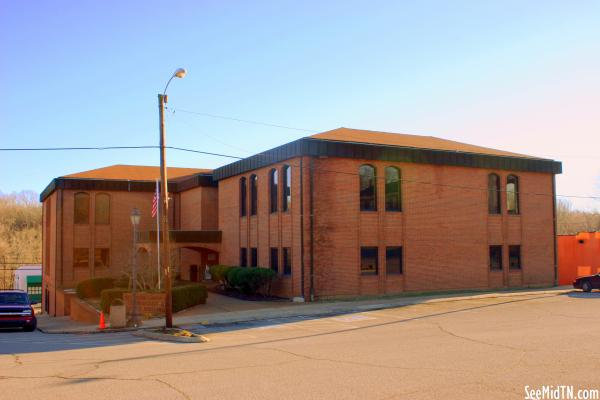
180,73
135,217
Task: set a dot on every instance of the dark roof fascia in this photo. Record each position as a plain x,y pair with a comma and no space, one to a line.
205,180
269,157
331,148
124,185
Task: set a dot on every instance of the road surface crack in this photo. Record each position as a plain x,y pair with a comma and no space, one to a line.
361,363
100,378
470,339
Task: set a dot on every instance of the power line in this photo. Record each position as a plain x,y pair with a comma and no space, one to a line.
296,165
77,148
247,121
101,148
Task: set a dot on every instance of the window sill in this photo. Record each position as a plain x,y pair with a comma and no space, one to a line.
515,269
367,274
496,270
394,274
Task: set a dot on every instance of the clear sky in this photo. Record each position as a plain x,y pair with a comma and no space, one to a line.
514,75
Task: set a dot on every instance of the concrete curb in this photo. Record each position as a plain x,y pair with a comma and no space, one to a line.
315,310
249,316
170,338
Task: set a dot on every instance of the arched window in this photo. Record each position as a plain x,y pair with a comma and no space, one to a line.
102,209
273,193
493,194
253,194
243,197
393,199
82,208
512,194
286,196
368,188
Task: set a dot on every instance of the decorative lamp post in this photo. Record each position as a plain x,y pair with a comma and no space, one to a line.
135,221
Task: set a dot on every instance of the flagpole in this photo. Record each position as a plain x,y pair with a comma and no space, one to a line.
158,233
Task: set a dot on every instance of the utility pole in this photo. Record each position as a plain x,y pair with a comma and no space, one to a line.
164,226
166,253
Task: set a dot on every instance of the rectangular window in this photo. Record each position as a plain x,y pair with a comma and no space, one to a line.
496,258
254,257
393,260
101,257
81,258
514,257
287,261
275,259
243,257
368,260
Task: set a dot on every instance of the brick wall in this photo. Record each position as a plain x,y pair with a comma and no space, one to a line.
264,230
444,228
148,304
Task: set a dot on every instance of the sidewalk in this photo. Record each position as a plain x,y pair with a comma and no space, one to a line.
224,310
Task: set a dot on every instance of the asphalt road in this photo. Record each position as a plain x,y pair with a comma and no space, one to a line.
469,349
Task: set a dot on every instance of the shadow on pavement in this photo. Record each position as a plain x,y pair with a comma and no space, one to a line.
17,342
14,341
584,295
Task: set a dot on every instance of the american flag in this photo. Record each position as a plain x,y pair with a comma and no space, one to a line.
155,201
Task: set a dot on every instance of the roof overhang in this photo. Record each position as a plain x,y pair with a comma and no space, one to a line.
121,185
367,151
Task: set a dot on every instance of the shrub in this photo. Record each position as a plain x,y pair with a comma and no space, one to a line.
251,280
93,287
218,274
188,296
109,296
122,281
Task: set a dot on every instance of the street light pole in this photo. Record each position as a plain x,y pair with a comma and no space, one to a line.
164,226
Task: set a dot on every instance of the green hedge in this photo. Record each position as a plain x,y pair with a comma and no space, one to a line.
218,274
107,296
93,287
251,280
187,296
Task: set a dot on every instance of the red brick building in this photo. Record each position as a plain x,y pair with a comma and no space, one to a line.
352,212
377,213
87,230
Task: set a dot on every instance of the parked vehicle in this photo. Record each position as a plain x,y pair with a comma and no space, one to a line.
16,310
587,283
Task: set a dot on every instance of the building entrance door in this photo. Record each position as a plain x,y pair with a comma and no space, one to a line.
194,273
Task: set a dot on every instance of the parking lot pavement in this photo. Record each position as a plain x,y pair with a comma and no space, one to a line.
489,348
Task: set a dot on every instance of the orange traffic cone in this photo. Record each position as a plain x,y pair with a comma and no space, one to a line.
102,325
